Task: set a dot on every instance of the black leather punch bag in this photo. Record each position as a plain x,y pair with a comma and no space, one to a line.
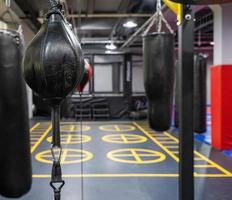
159,76
15,162
200,93
53,66
53,62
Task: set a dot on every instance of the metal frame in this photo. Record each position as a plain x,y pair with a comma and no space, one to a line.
185,89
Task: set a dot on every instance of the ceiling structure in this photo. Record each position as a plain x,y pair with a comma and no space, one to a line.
98,22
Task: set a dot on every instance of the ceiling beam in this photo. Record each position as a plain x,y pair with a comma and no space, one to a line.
106,15
111,15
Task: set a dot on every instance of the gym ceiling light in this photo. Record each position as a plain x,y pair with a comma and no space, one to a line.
130,24
111,46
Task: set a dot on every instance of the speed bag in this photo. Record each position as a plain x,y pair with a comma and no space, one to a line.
15,167
86,76
159,72
200,93
53,60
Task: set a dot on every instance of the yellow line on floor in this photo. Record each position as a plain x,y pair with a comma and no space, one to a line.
220,168
157,142
204,166
34,127
106,175
170,136
41,139
130,175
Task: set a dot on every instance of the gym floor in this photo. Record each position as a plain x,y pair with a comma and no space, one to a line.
124,160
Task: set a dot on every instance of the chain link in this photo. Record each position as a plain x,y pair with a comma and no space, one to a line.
158,20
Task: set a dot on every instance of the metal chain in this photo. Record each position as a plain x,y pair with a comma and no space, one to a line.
160,15
8,3
158,19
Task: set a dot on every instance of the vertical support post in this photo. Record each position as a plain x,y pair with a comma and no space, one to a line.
128,81
185,74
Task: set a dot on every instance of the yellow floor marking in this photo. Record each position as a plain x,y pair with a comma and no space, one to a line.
175,152
34,127
135,153
167,142
136,156
172,147
158,135
117,128
124,139
83,155
71,156
69,139
72,128
64,154
164,138
200,156
214,164
105,175
41,139
172,137
198,159
157,142
220,168
131,155
204,166
129,175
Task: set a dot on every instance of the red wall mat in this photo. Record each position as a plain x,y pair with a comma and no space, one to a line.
221,106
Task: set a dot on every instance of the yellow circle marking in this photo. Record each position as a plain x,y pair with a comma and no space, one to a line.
124,138
68,156
72,139
73,128
136,156
117,128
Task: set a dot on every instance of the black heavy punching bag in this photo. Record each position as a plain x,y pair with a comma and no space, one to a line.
199,101
53,60
159,75
15,163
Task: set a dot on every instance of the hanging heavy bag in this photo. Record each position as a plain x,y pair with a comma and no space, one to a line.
159,74
53,60
15,167
200,93
87,74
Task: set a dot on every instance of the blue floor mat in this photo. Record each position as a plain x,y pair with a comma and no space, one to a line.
206,137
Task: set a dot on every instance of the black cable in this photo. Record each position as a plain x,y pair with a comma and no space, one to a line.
79,19
82,148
